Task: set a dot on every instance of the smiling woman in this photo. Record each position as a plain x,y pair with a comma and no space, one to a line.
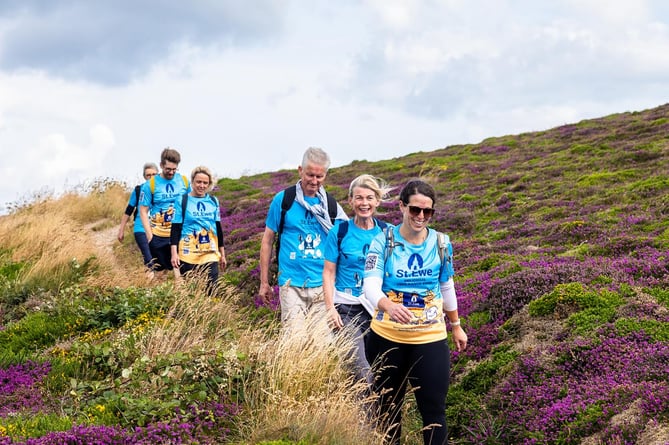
196,238
411,287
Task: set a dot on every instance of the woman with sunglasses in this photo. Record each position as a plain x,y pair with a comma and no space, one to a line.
412,289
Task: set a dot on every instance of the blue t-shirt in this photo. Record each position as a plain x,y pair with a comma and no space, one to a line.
161,207
411,276
302,243
137,226
350,256
199,240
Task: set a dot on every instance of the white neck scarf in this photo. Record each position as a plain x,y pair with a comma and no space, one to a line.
320,210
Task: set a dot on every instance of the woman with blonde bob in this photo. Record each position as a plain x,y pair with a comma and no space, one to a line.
196,237
345,249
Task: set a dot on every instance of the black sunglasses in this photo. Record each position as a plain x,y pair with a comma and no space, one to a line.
415,211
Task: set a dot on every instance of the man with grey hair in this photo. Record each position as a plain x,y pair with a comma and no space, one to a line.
299,219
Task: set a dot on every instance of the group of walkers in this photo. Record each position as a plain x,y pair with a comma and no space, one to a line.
392,284
177,222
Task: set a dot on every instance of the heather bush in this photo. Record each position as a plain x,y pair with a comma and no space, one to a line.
560,241
573,297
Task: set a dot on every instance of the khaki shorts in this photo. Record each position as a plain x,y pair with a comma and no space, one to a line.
296,302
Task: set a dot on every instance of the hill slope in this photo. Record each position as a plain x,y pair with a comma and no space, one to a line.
561,245
572,220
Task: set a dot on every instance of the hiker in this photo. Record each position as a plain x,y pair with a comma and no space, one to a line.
196,236
156,209
149,170
299,218
345,251
409,279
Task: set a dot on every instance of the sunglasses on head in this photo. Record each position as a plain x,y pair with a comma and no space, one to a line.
415,211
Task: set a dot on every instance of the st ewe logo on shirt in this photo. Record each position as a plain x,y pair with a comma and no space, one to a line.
414,268
201,210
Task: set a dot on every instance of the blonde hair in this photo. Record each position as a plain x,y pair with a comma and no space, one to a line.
380,188
204,170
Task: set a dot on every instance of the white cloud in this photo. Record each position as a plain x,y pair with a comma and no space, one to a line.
245,88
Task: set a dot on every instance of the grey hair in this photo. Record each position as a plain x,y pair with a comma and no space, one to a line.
316,156
380,188
150,165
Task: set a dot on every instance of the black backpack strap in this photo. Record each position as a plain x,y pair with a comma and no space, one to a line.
332,207
134,212
287,201
342,230
184,203
214,200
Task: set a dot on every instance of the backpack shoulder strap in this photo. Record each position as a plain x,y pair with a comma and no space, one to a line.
152,187
341,233
442,243
184,203
382,224
213,199
390,241
286,202
137,192
332,207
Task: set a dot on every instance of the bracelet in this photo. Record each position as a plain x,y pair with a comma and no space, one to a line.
454,323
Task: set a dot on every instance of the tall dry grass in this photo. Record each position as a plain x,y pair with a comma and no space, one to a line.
54,236
195,322
302,388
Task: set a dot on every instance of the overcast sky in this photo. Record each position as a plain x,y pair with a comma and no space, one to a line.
93,89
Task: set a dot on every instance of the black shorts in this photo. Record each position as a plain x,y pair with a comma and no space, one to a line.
161,253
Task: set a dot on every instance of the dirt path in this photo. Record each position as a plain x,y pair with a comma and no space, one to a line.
104,239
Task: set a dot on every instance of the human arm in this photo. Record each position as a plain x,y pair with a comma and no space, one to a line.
223,262
329,274
266,292
372,286
121,229
144,216
451,310
175,236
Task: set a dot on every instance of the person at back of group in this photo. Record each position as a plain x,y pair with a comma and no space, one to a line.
409,279
196,234
300,227
156,210
345,250
148,171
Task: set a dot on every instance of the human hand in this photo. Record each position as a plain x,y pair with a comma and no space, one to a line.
266,293
459,338
399,313
334,319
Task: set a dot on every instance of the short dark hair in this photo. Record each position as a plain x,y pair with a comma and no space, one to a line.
171,155
415,187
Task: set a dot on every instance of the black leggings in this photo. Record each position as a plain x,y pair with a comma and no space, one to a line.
426,367
209,270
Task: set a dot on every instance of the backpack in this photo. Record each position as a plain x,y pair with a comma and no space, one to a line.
343,230
134,212
152,185
442,242
287,201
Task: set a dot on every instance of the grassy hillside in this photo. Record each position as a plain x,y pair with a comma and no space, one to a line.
561,245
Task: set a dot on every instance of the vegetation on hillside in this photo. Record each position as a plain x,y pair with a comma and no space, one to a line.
561,244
